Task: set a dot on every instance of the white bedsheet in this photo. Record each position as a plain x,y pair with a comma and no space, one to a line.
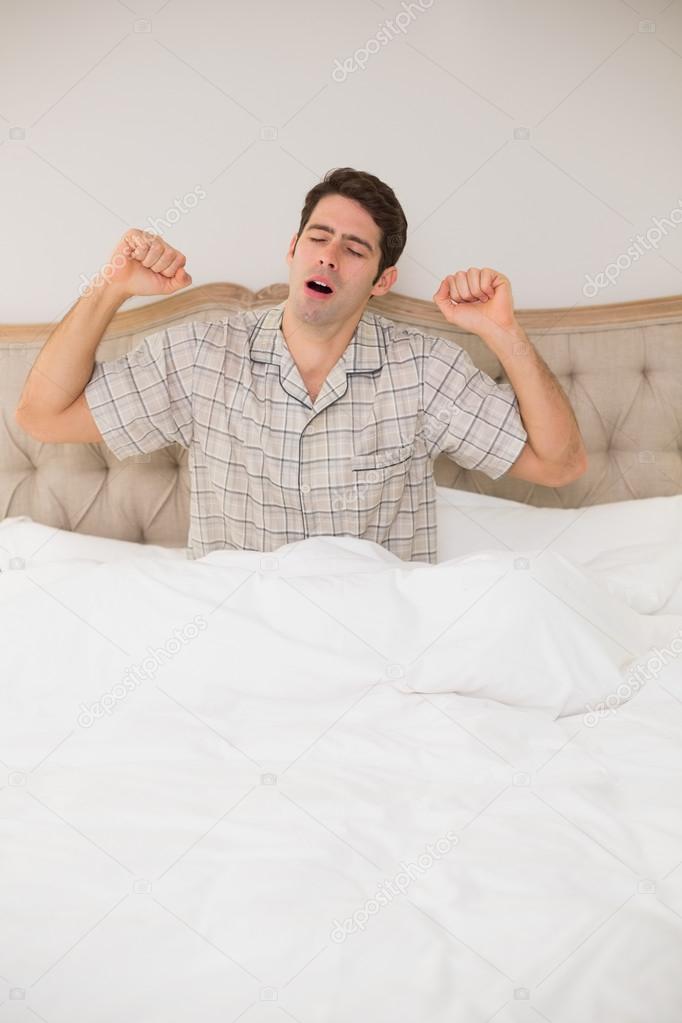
238,835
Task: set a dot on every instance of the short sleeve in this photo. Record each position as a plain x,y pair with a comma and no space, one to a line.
467,415
142,401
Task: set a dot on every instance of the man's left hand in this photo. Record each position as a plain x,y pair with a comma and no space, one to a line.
483,298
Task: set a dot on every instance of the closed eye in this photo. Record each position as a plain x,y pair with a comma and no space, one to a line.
350,250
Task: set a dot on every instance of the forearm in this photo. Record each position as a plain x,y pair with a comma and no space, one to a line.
550,422
65,363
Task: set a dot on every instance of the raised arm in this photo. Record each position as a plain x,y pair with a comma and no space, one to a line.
52,407
480,301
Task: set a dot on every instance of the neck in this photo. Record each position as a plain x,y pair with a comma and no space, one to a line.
316,346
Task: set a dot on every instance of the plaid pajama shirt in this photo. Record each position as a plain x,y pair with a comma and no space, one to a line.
268,466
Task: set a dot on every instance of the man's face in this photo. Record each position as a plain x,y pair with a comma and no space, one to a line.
349,264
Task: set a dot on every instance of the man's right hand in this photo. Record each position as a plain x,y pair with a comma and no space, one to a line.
144,264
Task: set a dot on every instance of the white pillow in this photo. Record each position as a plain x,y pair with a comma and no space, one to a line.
545,637
31,543
526,631
615,542
673,605
645,576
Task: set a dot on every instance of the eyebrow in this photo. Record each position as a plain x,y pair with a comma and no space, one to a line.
350,237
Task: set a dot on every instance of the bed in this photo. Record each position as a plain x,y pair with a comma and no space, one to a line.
324,784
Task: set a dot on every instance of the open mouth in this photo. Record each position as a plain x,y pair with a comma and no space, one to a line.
319,288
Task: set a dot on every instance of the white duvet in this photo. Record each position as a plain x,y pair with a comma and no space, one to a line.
326,785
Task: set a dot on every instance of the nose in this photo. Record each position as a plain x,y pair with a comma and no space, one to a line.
328,259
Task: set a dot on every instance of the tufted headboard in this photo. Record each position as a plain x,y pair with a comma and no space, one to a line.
620,365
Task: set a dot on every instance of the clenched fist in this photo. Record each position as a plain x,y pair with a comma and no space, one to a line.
477,300
144,264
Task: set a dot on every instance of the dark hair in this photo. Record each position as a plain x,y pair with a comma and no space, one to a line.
376,197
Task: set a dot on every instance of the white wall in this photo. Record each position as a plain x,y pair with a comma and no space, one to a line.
110,111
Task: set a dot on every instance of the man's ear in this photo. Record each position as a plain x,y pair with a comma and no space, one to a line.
292,246
386,281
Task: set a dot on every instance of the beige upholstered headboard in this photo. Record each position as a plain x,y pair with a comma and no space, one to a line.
620,365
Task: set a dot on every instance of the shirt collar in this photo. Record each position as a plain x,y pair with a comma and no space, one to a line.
363,354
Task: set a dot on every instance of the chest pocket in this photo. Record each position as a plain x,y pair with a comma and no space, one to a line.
383,458
379,479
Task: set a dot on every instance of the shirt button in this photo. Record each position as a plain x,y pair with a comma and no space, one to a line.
305,488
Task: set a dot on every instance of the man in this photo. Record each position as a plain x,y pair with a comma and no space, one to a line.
314,417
